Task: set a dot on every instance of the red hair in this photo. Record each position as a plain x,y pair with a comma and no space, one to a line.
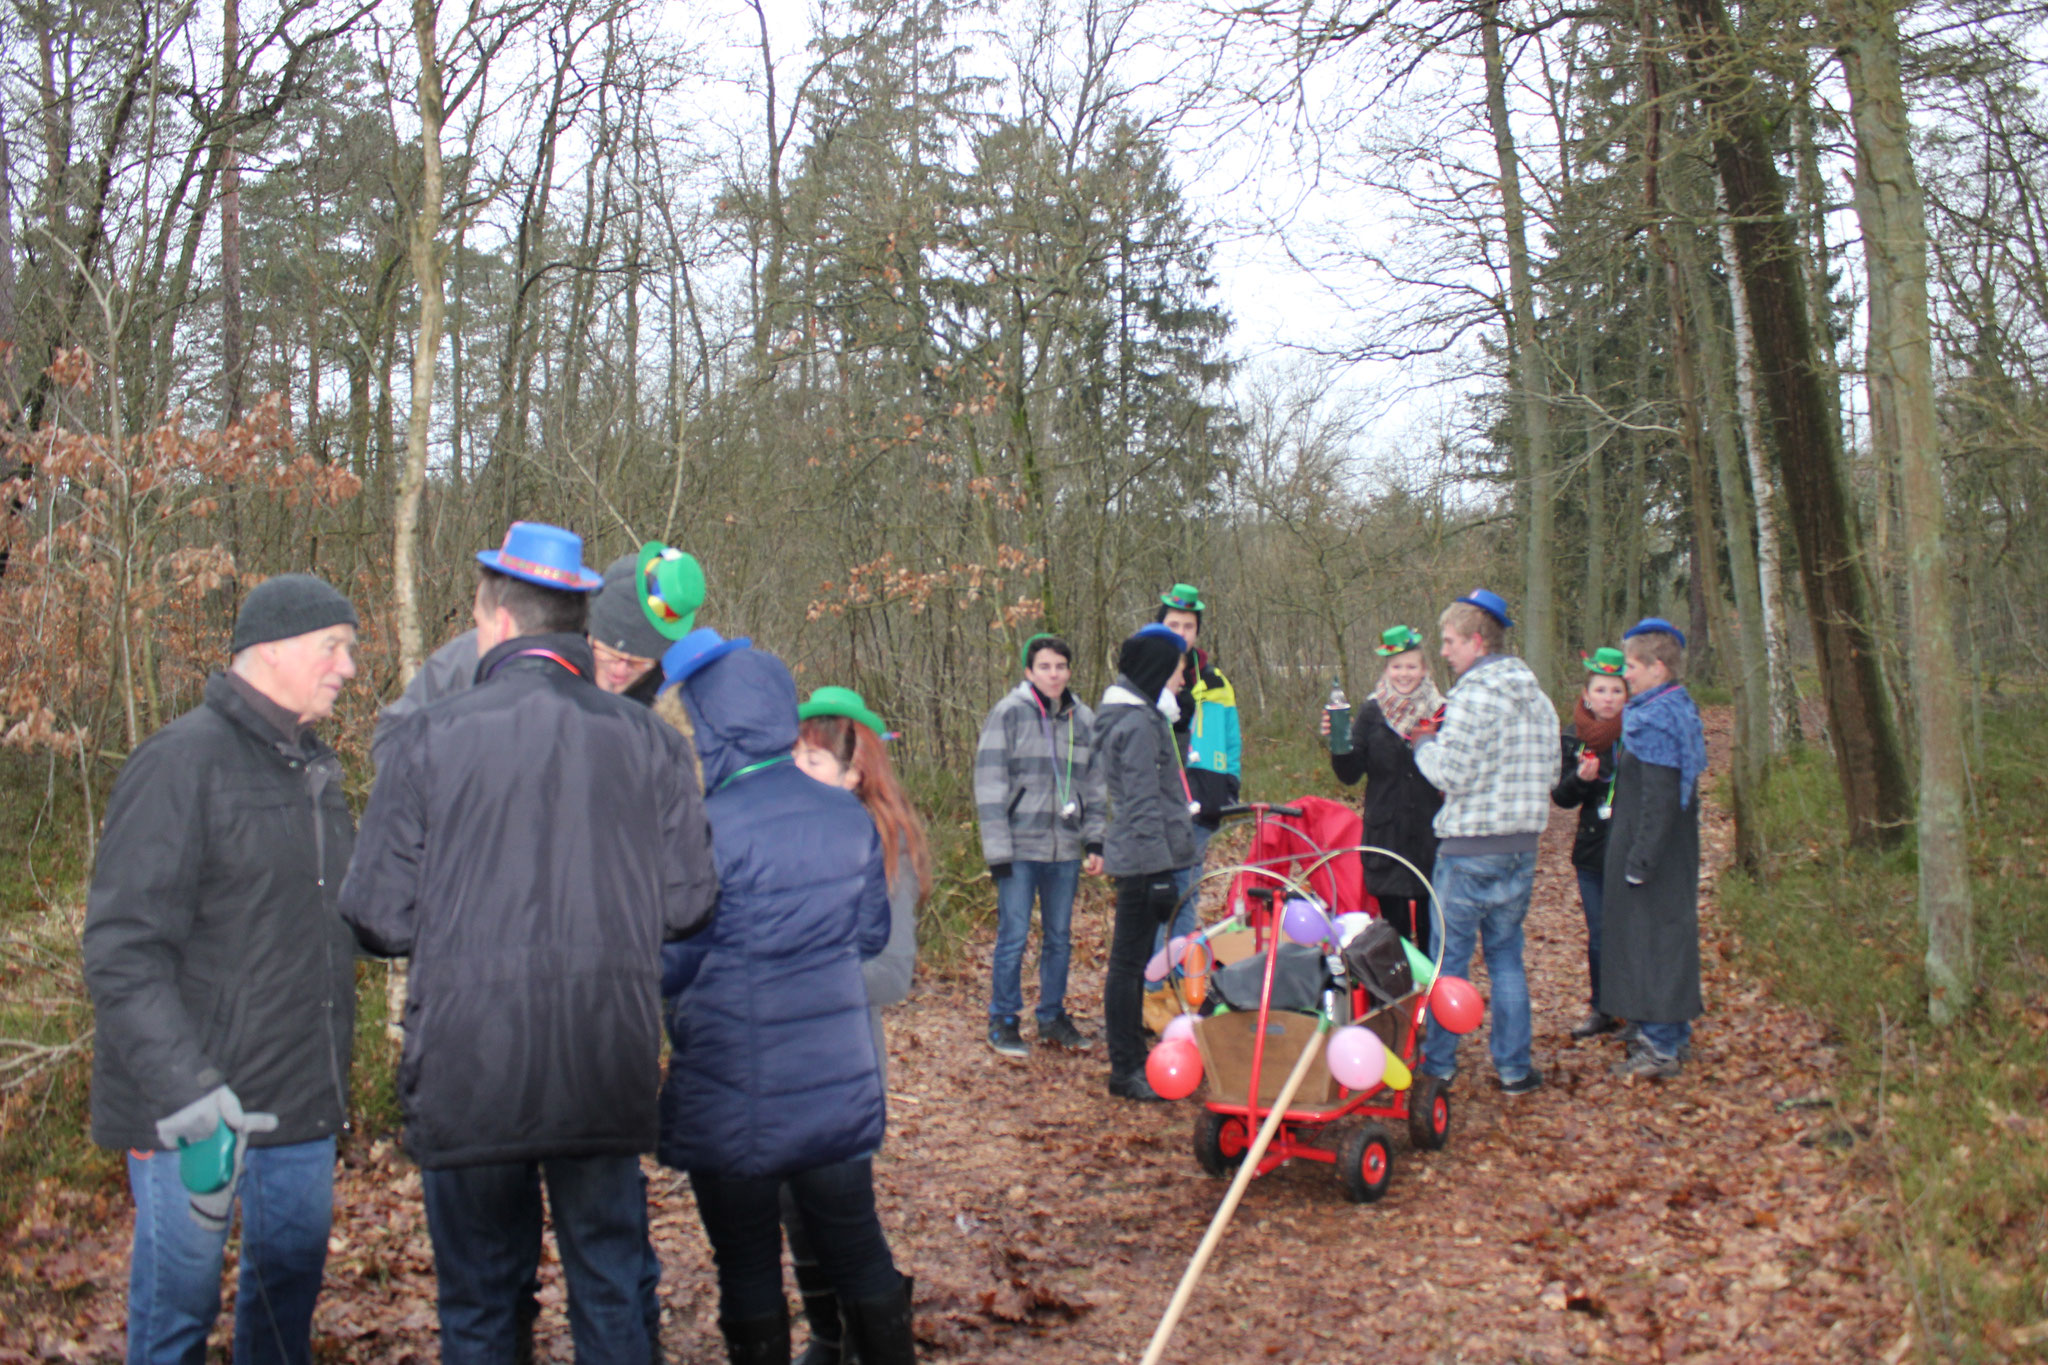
896,820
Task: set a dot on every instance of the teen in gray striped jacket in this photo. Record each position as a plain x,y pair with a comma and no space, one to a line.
1038,789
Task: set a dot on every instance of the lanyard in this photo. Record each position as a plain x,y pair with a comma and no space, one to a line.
1062,787
731,778
536,654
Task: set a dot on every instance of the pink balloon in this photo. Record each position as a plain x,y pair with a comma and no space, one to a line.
1357,1058
1304,923
1156,969
1175,1068
1180,1026
1456,1004
1166,959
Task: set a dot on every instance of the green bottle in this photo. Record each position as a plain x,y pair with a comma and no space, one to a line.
1339,712
206,1166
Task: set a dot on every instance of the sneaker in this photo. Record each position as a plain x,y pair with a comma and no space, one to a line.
1135,1087
1595,1024
1061,1032
1647,1061
1631,1034
1523,1085
1004,1038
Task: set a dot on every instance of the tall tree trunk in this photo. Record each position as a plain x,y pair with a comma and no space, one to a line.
1531,380
233,348
1865,734
1784,691
1894,220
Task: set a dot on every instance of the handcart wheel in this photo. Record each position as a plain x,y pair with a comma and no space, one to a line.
1366,1163
1220,1142
1429,1114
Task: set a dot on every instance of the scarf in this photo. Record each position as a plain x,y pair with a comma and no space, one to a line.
1662,726
1596,734
1403,712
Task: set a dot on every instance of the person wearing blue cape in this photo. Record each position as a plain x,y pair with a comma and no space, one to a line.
1650,930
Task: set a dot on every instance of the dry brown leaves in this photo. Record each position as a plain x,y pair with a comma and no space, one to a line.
1703,1220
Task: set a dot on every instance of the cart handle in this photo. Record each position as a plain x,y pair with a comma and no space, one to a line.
1236,808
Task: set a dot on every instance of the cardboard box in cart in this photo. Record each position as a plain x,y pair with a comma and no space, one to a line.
1226,1044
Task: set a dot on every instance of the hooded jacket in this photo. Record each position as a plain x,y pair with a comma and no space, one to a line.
213,951
530,843
774,1068
1149,827
1026,760
1494,758
1210,740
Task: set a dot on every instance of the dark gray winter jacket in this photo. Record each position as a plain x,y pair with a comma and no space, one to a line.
213,950
1150,828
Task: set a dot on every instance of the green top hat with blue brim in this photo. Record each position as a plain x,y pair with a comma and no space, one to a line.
842,701
1183,597
1397,640
1607,661
670,585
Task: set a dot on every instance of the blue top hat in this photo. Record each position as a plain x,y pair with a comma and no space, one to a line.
543,554
1492,603
1654,625
695,651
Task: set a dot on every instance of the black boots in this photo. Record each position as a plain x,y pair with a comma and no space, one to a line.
821,1307
878,1330
757,1341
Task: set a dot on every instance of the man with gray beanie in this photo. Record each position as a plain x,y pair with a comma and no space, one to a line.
223,984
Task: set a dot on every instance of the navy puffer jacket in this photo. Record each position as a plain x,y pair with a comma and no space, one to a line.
774,1068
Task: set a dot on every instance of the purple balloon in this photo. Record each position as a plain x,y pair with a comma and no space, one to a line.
1357,1058
1303,922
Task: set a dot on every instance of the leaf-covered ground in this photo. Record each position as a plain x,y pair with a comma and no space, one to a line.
1712,1218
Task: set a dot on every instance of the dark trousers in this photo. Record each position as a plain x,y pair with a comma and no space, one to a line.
1411,917
1123,986
742,1219
1591,889
485,1222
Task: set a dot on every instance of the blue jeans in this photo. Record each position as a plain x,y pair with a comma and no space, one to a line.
1666,1040
1486,897
1590,885
743,1220
1053,885
485,1222
287,1200
1185,920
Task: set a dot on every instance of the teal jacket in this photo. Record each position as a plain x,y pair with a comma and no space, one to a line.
1211,746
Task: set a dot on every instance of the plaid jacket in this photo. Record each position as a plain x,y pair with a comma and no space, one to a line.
1495,755
1018,779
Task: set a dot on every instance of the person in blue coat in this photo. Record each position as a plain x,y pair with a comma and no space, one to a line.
774,1077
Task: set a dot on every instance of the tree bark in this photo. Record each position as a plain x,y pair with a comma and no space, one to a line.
1865,734
425,250
1893,213
1531,380
233,357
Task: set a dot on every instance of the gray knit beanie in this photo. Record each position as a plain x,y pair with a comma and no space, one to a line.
288,605
617,620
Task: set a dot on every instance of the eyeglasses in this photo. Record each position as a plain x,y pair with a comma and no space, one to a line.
611,658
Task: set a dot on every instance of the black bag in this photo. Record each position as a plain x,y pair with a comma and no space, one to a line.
1298,981
1375,960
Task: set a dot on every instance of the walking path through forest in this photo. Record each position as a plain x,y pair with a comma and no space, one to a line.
1714,1218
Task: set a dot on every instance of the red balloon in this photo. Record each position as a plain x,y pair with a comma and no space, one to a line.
1455,1004
1175,1068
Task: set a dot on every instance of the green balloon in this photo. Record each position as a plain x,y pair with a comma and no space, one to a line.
1419,965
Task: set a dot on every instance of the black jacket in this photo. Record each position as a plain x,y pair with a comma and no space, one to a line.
1400,803
213,950
530,843
1589,845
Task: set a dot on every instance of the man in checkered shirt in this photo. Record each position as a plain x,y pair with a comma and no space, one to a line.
1492,754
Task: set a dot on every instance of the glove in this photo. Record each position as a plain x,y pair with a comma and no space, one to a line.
998,871
1163,898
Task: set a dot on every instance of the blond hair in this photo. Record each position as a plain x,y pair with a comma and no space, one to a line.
1658,647
1462,618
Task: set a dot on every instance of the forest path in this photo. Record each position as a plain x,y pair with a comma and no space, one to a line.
1712,1218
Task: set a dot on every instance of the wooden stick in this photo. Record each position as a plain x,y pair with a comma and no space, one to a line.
1221,1221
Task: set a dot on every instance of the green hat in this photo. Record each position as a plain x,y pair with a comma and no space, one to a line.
1398,640
671,588
842,701
1607,661
1184,597
1024,654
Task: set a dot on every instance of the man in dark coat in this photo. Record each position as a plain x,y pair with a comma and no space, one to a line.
530,844
223,983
